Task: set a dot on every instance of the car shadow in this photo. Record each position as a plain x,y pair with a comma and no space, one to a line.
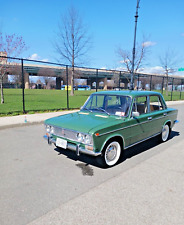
128,153
83,158
144,146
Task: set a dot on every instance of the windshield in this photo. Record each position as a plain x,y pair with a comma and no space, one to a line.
109,104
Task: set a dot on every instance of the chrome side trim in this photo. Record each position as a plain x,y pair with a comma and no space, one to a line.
142,140
136,124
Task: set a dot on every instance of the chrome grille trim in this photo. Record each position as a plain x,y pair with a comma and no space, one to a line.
65,133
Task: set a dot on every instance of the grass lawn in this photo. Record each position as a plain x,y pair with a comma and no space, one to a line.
40,100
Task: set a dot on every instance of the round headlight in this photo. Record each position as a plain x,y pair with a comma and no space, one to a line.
80,137
52,130
48,128
87,139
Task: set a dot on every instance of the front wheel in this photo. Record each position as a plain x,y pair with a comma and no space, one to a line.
112,152
164,136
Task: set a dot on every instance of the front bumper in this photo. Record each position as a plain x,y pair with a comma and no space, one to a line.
77,148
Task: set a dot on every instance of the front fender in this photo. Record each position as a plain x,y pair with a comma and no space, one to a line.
113,136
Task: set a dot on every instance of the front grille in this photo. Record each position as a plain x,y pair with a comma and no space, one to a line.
65,133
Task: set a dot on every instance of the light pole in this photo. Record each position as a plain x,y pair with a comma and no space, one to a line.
133,52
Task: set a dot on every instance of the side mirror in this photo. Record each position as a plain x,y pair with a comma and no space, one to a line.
135,114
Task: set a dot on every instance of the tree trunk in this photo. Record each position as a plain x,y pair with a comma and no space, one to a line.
72,82
72,77
167,81
2,96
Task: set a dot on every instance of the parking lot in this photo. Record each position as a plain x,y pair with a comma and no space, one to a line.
41,184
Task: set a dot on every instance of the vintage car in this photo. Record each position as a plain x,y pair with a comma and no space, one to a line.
111,121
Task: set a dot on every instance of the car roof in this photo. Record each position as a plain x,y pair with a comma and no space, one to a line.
127,93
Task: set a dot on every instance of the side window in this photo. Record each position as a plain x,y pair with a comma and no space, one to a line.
140,105
155,103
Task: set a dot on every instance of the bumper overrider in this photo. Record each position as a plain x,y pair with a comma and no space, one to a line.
71,145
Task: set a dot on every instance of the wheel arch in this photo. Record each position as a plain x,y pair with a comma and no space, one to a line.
116,137
169,124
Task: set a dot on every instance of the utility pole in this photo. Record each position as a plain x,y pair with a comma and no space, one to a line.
133,52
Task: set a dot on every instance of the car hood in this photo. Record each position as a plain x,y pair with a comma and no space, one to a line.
83,122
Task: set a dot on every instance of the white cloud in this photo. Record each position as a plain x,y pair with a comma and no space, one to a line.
125,61
152,70
148,43
120,68
35,56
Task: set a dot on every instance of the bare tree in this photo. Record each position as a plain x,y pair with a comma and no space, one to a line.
10,45
140,56
168,61
73,41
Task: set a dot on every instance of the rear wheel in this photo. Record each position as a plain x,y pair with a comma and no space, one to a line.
164,136
112,152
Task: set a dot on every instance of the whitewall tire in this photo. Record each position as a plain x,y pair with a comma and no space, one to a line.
112,153
165,133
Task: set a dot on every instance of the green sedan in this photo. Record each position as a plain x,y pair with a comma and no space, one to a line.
111,121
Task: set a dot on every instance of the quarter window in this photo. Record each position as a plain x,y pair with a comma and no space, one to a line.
155,103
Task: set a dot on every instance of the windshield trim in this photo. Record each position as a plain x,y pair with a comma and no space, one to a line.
94,94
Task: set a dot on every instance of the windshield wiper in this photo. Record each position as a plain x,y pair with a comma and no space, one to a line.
101,109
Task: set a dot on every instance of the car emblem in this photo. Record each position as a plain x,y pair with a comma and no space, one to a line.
63,132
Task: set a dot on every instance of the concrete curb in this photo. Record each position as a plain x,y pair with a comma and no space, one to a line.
29,119
170,103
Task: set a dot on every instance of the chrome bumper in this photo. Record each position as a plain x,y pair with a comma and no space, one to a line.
77,148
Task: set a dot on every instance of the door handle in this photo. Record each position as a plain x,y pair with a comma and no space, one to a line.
165,114
150,118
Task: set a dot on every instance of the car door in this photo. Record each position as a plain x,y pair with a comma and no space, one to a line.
140,124
157,114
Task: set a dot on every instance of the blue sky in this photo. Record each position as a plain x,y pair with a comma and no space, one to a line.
111,24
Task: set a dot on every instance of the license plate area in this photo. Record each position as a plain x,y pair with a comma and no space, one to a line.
61,143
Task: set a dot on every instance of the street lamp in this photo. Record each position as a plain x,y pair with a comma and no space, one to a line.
133,52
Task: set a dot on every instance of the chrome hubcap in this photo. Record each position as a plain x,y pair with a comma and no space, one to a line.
111,153
165,132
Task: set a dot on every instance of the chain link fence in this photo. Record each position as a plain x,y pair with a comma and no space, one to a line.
36,86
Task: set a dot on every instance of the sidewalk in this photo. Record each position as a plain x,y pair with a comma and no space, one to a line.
28,119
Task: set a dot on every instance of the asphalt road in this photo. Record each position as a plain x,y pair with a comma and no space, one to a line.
41,185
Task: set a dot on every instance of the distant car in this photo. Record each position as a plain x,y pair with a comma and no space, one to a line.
111,121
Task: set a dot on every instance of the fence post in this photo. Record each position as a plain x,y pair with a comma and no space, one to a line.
67,87
138,83
162,84
172,89
96,80
119,79
23,100
181,88
150,82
